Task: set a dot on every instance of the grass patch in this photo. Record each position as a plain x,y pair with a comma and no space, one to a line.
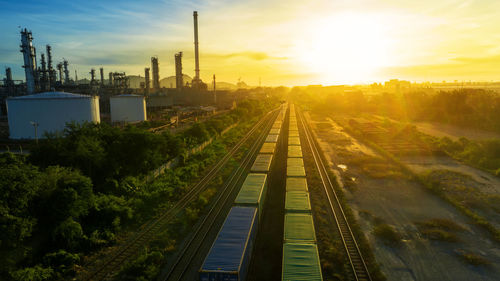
473,259
381,170
439,235
387,234
445,224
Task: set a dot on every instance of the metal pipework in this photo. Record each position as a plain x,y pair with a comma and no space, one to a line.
29,56
179,81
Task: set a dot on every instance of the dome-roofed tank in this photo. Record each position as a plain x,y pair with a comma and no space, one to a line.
128,108
49,112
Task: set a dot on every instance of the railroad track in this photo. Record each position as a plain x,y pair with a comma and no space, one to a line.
358,265
148,231
179,268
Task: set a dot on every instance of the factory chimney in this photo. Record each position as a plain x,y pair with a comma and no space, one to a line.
66,72
196,53
102,76
179,83
156,73
29,55
146,82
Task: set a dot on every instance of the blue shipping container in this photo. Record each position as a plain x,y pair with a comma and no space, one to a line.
230,254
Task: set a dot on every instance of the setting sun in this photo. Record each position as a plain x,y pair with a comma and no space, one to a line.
344,47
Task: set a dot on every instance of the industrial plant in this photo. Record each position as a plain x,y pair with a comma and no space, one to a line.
50,96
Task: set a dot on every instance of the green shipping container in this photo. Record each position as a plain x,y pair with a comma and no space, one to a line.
301,262
262,163
274,131
297,201
295,162
293,140
295,171
299,228
253,192
294,151
272,138
268,147
296,184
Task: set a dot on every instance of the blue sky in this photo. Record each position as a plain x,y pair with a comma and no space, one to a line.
113,34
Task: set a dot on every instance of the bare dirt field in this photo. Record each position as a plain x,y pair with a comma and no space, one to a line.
454,132
415,234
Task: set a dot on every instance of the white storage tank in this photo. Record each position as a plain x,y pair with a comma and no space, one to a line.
128,108
49,112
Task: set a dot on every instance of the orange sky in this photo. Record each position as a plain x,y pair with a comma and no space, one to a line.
280,42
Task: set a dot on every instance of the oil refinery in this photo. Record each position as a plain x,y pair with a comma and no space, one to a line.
117,100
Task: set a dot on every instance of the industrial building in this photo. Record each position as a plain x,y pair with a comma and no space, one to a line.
128,108
32,116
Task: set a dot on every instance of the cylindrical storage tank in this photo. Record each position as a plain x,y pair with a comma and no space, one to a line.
128,108
49,112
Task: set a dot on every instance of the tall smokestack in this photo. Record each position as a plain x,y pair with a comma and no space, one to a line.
29,60
196,54
179,83
146,78
156,73
102,76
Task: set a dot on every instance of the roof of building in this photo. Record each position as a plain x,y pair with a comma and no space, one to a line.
52,95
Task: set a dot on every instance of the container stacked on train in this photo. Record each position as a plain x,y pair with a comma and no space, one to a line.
229,257
300,252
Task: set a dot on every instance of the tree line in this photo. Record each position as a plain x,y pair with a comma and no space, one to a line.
77,190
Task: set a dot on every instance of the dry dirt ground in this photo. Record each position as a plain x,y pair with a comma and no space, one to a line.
380,193
453,132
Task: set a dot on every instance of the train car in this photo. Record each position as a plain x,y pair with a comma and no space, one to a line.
272,138
297,201
301,262
295,171
253,192
294,151
231,251
296,184
293,140
299,228
277,125
274,131
262,163
268,148
293,133
295,162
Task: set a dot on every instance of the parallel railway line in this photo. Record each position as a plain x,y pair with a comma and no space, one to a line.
358,265
148,231
179,268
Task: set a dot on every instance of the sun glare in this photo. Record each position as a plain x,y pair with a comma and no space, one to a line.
344,48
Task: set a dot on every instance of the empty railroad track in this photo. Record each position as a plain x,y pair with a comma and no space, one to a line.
186,263
358,265
148,231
